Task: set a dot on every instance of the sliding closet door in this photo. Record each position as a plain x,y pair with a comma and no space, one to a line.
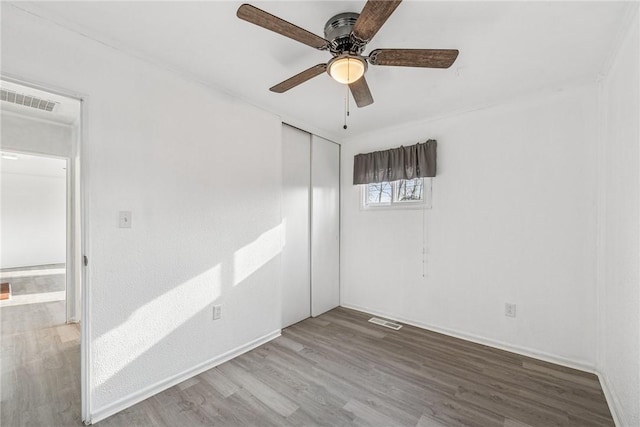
296,292
325,225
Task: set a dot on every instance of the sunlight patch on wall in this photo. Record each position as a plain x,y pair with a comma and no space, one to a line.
256,254
150,324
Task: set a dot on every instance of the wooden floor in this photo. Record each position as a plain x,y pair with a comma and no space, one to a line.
40,366
334,370
24,284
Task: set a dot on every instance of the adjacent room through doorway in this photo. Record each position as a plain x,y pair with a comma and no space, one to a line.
34,198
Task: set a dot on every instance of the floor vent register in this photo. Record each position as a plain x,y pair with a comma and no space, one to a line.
385,323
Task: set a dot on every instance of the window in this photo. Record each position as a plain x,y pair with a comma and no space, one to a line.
410,190
379,194
406,193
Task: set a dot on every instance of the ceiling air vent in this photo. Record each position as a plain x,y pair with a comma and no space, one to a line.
26,100
385,323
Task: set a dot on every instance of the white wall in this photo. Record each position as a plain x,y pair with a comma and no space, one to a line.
26,134
33,219
201,173
619,301
513,220
35,136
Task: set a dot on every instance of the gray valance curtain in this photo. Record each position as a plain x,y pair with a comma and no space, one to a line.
415,161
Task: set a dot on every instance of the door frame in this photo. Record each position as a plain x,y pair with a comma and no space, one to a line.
79,220
316,141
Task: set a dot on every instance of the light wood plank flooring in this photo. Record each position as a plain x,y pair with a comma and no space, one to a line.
40,367
22,283
334,370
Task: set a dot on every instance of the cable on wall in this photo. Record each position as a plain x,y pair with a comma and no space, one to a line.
424,239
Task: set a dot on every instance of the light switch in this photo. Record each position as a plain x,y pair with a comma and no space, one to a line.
125,219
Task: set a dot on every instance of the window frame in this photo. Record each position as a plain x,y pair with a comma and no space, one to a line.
424,203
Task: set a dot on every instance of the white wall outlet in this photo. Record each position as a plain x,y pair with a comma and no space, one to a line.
124,219
509,310
217,312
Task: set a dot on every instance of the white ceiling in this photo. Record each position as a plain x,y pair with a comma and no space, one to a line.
507,49
33,165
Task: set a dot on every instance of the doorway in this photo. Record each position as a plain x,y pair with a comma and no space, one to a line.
40,255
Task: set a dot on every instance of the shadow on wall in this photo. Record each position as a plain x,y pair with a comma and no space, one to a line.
171,319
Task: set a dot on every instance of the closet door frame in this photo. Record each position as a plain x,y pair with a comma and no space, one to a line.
325,250
291,310
323,227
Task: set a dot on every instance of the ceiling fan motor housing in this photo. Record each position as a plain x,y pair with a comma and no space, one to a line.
338,31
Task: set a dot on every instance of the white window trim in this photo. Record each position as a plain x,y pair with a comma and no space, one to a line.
425,203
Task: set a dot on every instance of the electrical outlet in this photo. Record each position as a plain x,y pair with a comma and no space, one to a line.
217,312
509,310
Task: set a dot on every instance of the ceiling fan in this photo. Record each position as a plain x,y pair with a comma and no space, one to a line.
346,37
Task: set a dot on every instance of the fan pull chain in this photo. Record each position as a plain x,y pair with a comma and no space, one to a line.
346,98
346,106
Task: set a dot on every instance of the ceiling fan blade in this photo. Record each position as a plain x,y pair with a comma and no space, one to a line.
430,58
299,78
374,14
263,19
361,93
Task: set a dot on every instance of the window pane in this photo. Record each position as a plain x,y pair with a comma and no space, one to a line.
410,190
379,193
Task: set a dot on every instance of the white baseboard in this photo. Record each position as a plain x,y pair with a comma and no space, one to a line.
524,351
153,389
612,401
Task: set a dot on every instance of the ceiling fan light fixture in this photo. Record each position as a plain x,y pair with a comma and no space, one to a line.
346,38
347,69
